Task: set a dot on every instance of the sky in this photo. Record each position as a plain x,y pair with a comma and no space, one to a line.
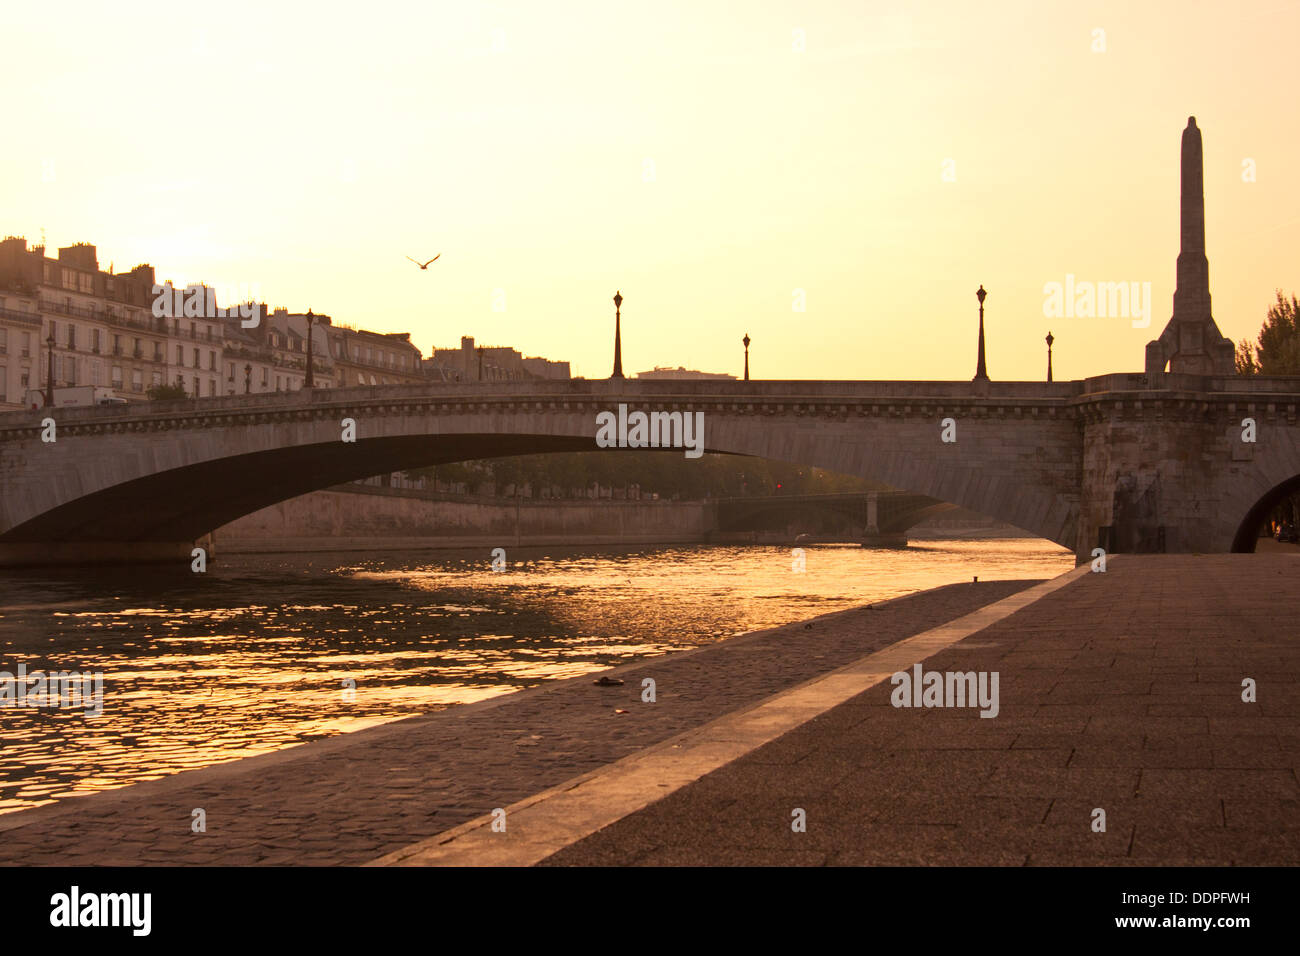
835,179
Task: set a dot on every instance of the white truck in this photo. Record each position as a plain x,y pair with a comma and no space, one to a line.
74,395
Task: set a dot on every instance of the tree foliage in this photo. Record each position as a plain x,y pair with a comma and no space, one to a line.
162,393
1277,351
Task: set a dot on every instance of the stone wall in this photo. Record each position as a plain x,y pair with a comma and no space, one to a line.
361,520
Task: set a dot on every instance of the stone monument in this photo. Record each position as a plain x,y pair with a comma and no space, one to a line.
1191,343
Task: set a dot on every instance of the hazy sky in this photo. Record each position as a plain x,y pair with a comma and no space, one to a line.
688,153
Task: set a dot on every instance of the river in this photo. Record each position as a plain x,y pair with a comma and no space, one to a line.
262,652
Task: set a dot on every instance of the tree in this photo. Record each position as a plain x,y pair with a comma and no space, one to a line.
1278,350
163,393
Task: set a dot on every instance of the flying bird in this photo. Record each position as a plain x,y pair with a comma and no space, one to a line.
425,265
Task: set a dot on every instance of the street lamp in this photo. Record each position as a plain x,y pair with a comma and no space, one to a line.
981,373
618,336
310,319
248,379
1050,340
746,341
49,379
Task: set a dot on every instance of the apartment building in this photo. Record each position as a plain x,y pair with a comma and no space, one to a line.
373,358
101,325
489,363
21,350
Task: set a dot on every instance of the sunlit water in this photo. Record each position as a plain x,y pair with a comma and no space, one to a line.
256,654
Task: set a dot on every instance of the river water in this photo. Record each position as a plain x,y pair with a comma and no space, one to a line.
266,651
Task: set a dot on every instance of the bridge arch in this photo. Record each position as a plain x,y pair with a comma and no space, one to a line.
156,477
1247,536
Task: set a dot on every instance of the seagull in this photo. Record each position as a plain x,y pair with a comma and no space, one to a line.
425,265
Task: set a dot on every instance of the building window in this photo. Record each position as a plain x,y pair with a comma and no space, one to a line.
27,345
180,355
137,380
25,378
212,387
155,378
197,363
230,371
94,340
117,376
72,336
4,347
212,361
87,282
70,370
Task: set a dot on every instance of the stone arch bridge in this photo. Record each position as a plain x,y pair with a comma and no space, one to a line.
1130,462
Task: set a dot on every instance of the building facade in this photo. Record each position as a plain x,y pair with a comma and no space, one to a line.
493,363
114,331
373,358
99,325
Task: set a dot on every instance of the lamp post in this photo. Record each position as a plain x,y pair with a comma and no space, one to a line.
248,379
1050,340
310,382
746,341
618,335
49,378
981,373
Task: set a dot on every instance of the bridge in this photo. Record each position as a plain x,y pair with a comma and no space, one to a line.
1186,456
1128,462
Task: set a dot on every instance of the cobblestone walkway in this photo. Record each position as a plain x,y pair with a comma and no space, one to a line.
1120,692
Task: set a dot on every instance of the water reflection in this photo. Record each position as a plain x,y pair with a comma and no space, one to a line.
254,655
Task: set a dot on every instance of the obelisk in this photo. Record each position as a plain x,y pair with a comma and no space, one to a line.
1191,343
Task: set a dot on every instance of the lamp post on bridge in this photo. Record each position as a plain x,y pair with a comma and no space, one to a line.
248,379
1049,340
310,382
49,378
618,335
981,373
746,341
